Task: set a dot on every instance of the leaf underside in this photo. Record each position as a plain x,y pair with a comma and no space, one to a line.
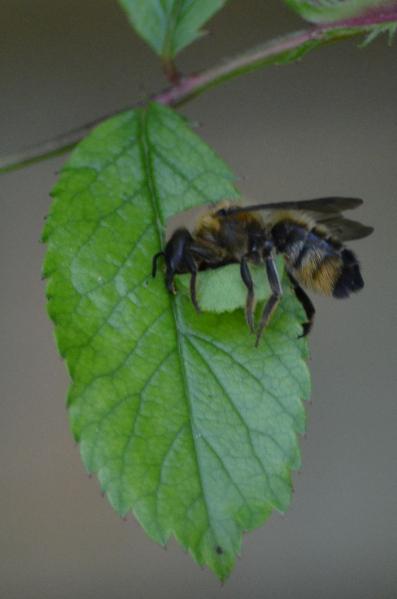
170,25
186,424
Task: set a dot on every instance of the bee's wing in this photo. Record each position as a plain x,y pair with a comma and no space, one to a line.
326,211
344,228
330,205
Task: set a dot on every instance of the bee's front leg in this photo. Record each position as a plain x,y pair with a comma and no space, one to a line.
204,255
192,267
154,263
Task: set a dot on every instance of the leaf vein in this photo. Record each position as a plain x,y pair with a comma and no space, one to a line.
237,412
233,358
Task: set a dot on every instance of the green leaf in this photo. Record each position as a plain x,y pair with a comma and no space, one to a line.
222,289
325,11
186,424
170,25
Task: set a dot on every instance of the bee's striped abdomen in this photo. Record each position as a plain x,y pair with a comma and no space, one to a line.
350,279
318,264
316,260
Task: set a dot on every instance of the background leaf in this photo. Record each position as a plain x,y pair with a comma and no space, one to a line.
186,424
324,11
170,25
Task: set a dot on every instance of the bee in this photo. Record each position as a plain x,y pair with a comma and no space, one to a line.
310,235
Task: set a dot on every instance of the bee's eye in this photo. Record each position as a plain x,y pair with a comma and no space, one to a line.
222,212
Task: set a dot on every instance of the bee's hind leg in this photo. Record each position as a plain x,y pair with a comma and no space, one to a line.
249,304
306,304
272,302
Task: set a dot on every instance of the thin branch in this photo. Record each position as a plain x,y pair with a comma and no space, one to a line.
279,51
49,148
170,71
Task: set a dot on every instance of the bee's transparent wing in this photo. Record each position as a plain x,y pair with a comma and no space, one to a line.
326,211
330,205
345,229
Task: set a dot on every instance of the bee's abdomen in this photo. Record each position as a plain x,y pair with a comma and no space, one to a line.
319,271
311,248
317,261
350,279
328,270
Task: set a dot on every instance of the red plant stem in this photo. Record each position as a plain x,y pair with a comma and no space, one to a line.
186,88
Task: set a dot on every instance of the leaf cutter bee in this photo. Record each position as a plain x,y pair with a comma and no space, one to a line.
310,234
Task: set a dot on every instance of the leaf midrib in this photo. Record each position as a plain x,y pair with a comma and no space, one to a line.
172,23
145,154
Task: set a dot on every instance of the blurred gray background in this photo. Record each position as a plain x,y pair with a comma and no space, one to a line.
326,125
